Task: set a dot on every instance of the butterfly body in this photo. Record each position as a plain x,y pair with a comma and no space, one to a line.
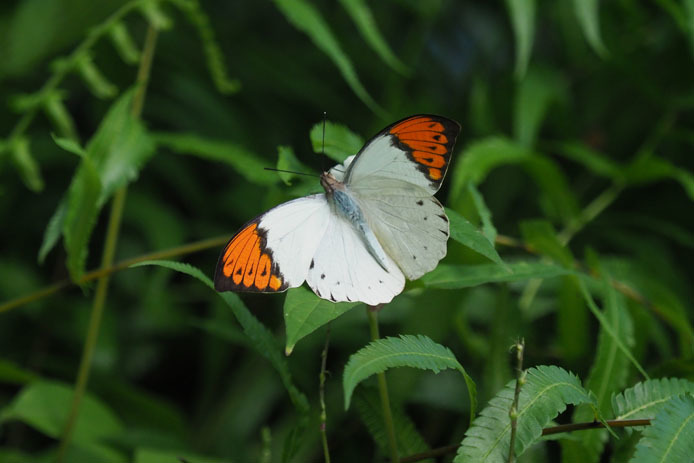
377,223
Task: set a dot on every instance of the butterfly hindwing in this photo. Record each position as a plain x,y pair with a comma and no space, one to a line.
272,252
342,269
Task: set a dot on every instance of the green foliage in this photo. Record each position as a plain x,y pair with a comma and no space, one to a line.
671,436
569,198
406,351
546,393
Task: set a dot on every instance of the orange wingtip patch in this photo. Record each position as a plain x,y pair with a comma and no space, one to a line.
428,159
434,174
431,147
407,123
236,246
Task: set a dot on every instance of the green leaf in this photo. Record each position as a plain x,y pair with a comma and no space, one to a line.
598,163
70,145
647,398
11,373
261,337
534,96
306,18
247,164
547,391
124,43
95,80
147,455
447,276
481,157
340,142
648,168
670,437
287,161
81,210
26,164
368,405
485,215
522,14
587,13
53,231
468,235
45,405
304,312
608,372
541,236
405,351
360,13
605,324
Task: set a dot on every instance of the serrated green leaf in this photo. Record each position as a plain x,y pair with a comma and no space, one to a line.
306,18
522,14
360,13
541,236
468,235
545,394
81,210
646,399
447,276
340,141
262,339
45,405
670,437
587,13
246,163
405,351
535,94
304,312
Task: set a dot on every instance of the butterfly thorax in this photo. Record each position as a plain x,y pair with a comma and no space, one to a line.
343,202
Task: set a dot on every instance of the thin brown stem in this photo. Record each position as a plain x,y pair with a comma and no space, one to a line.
323,413
513,413
122,265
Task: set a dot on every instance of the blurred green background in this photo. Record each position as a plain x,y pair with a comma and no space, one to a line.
577,113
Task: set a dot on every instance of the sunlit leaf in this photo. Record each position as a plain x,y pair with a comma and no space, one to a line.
670,437
468,235
447,276
304,312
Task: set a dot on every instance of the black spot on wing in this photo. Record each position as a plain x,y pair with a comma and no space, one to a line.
311,266
420,203
443,216
322,276
318,292
332,298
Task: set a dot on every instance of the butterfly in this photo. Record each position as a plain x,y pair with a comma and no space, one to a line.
376,224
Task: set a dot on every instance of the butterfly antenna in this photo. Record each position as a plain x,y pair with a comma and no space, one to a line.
325,116
290,171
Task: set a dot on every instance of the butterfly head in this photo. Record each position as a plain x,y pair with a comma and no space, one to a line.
330,184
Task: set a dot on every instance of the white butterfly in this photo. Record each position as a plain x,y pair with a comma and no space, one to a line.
376,224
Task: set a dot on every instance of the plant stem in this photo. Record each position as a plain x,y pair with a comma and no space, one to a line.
513,413
122,265
323,413
590,212
372,314
106,260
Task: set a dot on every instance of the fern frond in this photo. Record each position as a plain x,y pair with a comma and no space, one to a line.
545,394
670,437
405,351
646,398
